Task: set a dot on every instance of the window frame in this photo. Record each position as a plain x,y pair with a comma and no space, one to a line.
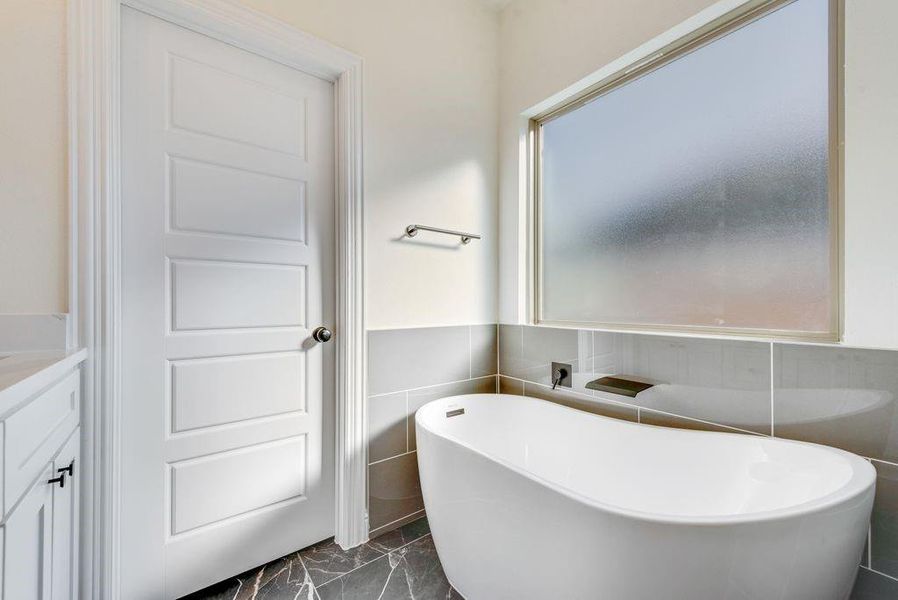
749,11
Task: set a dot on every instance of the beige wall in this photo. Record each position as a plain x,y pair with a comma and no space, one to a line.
432,113
430,151
33,207
871,160
430,148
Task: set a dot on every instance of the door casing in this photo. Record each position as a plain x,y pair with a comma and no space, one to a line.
95,265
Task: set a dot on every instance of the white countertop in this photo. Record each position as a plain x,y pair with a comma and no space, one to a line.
23,374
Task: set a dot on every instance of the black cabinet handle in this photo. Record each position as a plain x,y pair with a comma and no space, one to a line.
69,469
60,480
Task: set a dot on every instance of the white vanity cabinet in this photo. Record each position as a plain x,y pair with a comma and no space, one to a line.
65,520
39,470
28,543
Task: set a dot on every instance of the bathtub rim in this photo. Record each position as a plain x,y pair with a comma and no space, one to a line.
861,482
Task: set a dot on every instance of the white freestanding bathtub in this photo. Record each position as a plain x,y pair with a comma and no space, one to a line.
529,499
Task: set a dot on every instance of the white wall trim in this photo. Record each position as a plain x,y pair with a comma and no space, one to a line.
351,385
94,100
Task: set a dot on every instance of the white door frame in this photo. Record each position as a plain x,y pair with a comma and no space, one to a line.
95,282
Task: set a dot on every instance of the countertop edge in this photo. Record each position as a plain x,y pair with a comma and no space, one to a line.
33,384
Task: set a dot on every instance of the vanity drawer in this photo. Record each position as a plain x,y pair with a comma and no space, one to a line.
35,432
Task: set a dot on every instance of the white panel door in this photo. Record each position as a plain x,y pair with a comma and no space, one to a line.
227,267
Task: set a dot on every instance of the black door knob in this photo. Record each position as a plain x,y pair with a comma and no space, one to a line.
60,480
322,334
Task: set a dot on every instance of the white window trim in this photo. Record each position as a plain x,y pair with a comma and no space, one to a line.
708,20
95,262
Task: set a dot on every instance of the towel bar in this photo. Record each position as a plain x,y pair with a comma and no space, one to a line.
412,231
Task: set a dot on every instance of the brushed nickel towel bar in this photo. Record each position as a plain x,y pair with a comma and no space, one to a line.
412,231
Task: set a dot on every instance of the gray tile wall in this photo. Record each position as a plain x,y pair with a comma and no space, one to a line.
832,395
406,369
837,396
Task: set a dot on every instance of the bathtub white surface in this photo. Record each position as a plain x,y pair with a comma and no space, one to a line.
767,518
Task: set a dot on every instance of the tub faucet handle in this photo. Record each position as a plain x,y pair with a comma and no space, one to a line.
558,375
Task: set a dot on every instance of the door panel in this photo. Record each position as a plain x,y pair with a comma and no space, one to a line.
245,294
209,391
203,488
206,96
215,199
227,243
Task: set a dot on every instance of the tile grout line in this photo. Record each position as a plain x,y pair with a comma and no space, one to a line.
870,531
406,392
399,519
870,544
772,394
593,344
576,393
638,408
424,387
407,441
377,462
315,587
498,356
694,419
420,537
892,577
373,560
470,357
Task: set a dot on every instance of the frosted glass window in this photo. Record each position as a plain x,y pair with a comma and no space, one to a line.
697,195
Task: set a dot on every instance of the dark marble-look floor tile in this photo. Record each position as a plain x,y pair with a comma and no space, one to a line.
411,573
224,590
424,576
367,582
326,560
401,536
283,579
873,586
